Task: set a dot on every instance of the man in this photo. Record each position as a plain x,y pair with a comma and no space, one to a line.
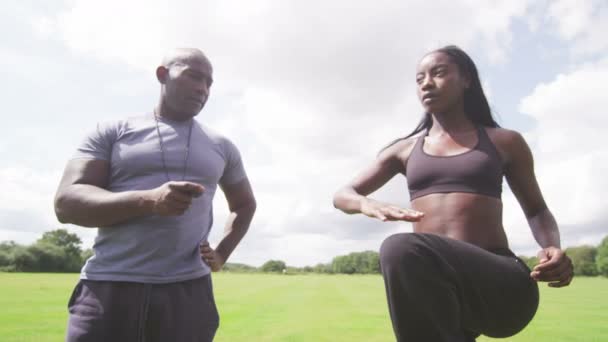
148,183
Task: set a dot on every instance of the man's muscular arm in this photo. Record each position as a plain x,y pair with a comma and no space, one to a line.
82,198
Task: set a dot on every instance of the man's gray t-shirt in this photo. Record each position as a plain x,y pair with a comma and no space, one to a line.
158,249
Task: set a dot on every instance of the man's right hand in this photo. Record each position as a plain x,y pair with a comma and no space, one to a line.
389,212
174,198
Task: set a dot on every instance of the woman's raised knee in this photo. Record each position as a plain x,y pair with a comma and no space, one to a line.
400,248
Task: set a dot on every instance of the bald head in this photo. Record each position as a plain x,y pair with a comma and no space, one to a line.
184,56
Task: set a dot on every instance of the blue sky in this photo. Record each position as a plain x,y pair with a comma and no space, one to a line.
309,92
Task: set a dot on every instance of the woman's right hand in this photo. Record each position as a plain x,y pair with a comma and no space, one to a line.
389,212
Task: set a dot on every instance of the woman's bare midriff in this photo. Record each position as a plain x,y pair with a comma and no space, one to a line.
469,217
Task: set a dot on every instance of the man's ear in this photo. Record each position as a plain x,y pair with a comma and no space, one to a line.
162,73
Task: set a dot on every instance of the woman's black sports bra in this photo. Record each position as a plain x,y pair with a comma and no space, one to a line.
479,170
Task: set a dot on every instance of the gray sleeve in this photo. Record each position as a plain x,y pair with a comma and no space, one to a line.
234,171
98,143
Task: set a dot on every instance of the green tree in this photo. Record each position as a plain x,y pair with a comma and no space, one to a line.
583,260
48,257
323,268
344,264
8,246
358,262
67,251
24,260
5,259
236,267
601,259
6,262
7,255
64,239
371,262
273,266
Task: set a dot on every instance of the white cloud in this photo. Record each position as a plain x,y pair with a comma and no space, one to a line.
494,19
570,98
571,158
583,22
28,190
26,204
569,111
335,43
572,16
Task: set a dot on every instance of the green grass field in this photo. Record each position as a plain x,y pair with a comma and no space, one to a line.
260,307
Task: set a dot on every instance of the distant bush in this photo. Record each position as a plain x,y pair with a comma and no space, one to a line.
601,259
367,262
273,266
583,260
236,267
56,251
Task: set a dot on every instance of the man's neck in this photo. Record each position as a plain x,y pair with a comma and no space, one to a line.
163,112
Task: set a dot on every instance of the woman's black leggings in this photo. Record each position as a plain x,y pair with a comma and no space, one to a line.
441,289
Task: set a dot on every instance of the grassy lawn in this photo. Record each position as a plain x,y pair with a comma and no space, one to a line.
262,307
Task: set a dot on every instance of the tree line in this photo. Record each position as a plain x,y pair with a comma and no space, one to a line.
366,262
56,251
60,251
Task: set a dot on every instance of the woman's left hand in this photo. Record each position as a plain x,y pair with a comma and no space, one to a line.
211,257
554,267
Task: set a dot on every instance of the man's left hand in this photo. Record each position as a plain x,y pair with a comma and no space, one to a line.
211,257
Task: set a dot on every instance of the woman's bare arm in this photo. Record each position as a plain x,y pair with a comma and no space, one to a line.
353,199
554,265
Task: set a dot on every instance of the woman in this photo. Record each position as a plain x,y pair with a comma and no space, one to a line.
455,278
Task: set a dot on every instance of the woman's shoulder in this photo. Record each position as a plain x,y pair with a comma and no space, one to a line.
400,149
504,136
509,143
401,145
